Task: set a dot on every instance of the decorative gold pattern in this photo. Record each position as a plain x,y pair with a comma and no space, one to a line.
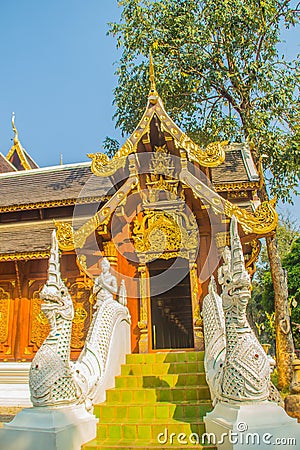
229,187
4,309
194,285
143,322
68,239
238,194
87,276
41,318
110,252
65,235
40,326
102,166
82,312
24,256
222,239
53,203
256,245
164,235
264,219
162,177
212,156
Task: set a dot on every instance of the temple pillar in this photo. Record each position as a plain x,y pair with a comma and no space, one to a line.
143,323
197,319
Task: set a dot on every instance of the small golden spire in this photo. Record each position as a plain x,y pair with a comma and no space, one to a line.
151,73
16,136
153,92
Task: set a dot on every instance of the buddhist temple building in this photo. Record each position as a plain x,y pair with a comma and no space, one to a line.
159,210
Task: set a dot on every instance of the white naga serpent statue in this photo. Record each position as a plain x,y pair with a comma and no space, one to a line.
53,379
237,368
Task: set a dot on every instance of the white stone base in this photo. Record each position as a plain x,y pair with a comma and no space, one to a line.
252,426
14,389
65,428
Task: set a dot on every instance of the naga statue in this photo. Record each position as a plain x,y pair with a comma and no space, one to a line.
237,368
53,379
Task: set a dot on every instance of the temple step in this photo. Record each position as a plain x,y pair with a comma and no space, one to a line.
159,398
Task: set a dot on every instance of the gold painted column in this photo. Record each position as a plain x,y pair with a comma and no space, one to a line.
197,319
111,253
143,322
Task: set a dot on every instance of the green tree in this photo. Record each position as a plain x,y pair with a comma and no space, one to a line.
264,294
261,308
219,72
221,75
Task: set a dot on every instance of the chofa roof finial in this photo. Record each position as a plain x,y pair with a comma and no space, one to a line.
151,73
153,92
16,136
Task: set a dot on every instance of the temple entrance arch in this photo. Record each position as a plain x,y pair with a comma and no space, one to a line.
171,315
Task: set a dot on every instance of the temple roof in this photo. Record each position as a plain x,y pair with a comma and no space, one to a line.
58,185
238,166
27,237
5,165
17,155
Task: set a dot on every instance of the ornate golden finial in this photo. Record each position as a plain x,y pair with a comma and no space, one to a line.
16,136
151,73
153,92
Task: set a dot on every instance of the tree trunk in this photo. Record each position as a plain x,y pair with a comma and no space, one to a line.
284,338
283,332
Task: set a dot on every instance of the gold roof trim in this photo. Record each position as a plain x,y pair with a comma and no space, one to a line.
69,239
24,256
262,221
229,187
102,166
52,203
212,156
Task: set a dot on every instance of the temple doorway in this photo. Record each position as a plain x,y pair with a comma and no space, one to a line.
171,314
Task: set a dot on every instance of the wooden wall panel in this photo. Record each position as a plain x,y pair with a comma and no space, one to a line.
129,269
8,309
23,326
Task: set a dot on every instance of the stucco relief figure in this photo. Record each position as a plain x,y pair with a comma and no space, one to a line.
105,286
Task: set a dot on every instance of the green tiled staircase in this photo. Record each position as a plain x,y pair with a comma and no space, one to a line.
154,393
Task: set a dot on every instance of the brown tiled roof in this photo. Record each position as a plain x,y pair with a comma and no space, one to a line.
238,166
25,237
30,236
5,166
51,184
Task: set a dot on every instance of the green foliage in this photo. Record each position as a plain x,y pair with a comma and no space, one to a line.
291,263
262,305
110,146
219,72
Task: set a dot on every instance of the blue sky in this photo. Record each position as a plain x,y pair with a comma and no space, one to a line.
57,75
